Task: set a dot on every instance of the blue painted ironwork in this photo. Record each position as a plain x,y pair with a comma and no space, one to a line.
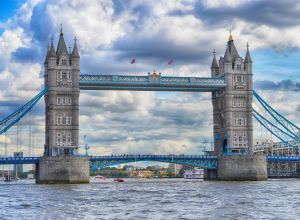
283,158
194,160
19,160
210,162
152,82
288,126
276,131
13,118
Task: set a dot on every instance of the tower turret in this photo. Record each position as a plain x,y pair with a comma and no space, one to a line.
214,66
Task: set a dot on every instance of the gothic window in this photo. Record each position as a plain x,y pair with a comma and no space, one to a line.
238,66
64,120
69,75
58,101
63,62
58,137
64,139
233,103
58,75
68,120
240,122
58,120
69,101
64,100
240,138
64,75
69,137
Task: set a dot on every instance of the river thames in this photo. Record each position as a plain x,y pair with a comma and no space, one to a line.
152,199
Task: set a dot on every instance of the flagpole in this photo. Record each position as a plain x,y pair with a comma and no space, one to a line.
173,67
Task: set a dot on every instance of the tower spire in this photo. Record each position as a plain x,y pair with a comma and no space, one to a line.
61,48
248,57
61,28
230,38
52,49
214,63
75,50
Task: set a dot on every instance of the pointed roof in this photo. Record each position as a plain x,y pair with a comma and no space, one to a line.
47,55
214,63
232,49
248,57
227,56
51,52
61,48
75,53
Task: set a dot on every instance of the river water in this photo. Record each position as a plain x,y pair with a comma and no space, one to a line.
152,199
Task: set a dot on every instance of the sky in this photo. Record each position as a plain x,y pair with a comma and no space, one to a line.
111,33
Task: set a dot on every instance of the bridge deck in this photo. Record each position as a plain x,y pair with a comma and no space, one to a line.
154,82
126,158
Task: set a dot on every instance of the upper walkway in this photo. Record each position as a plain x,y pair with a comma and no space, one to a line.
152,82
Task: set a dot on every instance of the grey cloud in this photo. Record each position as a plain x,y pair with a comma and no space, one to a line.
286,85
272,13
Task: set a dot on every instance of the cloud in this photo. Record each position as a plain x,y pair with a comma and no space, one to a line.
280,14
285,85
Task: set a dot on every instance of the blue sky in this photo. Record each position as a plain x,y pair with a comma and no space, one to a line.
111,33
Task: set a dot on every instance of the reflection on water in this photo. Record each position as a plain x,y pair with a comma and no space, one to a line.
152,199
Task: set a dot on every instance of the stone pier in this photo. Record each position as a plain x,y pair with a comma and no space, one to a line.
63,170
242,167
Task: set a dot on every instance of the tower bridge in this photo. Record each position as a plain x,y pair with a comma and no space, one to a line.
231,86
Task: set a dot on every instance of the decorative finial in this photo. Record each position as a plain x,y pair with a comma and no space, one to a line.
61,29
214,52
70,48
75,40
247,46
51,38
230,36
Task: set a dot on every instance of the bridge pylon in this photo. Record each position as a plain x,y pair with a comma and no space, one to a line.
232,118
61,163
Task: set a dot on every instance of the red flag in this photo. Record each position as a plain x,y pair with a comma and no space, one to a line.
170,62
133,61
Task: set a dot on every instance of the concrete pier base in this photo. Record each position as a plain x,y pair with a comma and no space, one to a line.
63,170
242,167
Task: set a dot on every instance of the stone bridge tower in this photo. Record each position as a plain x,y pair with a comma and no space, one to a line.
62,71
232,107
232,119
61,163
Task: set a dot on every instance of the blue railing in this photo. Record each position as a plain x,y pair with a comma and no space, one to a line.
152,82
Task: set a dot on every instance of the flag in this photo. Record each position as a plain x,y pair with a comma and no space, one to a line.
170,62
133,61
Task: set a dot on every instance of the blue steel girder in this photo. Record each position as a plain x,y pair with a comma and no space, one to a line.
19,160
284,159
152,82
275,130
13,118
209,162
287,125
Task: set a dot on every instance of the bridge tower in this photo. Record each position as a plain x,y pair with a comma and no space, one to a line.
232,107
232,117
60,162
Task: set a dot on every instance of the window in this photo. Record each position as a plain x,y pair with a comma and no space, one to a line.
58,120
63,120
58,100
240,138
69,101
58,75
69,75
63,62
240,122
69,137
68,120
233,103
64,75
63,100
58,137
